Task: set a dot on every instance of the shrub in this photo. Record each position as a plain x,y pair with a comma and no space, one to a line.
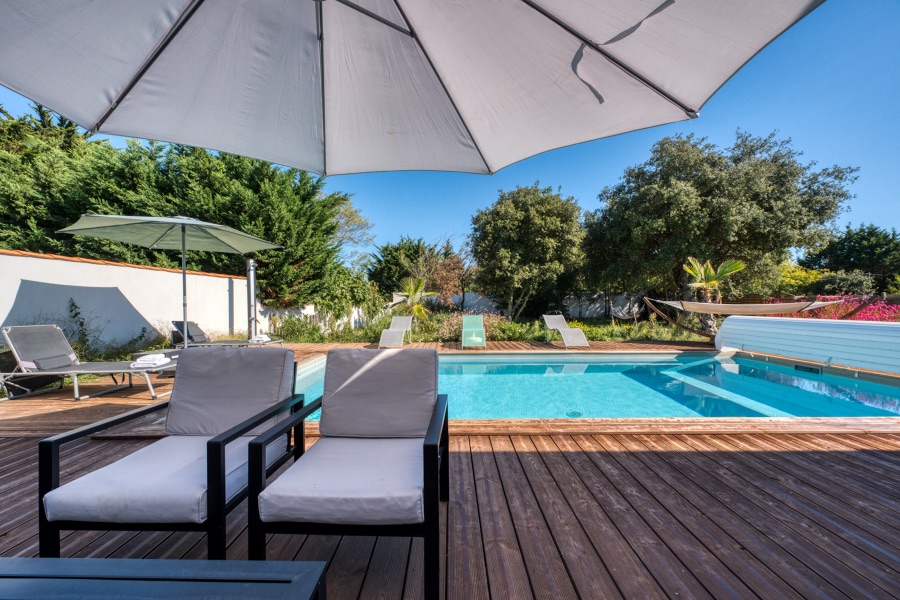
299,329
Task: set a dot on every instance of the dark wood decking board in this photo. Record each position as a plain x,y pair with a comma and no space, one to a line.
582,516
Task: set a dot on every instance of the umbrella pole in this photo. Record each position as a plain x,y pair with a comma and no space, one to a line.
184,321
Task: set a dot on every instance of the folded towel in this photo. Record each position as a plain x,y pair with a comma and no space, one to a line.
150,358
142,364
260,339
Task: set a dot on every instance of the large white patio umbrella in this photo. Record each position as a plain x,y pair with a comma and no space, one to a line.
341,86
170,233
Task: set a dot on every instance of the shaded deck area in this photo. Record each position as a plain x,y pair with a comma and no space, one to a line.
582,516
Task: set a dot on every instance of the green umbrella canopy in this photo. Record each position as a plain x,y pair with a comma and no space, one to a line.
165,233
170,233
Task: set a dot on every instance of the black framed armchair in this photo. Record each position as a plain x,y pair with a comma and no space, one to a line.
191,479
380,466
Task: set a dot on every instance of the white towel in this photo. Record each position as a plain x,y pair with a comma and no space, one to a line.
144,364
150,358
260,339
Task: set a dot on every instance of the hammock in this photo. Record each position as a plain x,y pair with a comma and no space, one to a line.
711,308
746,309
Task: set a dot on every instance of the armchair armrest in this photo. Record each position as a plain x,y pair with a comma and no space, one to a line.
437,423
257,448
215,448
48,449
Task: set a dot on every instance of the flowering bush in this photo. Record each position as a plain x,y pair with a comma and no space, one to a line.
877,311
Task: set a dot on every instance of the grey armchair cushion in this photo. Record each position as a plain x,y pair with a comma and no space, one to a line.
379,393
164,482
217,388
353,481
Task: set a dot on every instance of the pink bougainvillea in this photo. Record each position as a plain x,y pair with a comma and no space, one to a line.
877,311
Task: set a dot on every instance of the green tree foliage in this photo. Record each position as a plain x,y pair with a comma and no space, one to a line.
392,262
752,202
51,173
844,282
867,248
796,280
524,242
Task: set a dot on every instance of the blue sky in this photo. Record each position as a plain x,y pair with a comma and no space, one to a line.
831,84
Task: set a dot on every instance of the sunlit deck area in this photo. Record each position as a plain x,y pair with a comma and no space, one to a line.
701,508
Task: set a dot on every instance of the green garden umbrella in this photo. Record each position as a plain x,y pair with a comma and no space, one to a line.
170,233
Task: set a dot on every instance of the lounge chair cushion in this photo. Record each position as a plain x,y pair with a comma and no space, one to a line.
217,388
379,393
164,482
350,481
391,338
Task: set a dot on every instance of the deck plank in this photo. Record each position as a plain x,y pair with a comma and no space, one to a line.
641,515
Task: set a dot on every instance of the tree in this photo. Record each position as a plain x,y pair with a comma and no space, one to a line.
706,280
391,262
51,172
752,202
353,233
412,290
868,248
524,241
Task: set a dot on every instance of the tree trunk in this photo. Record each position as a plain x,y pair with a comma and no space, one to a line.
707,320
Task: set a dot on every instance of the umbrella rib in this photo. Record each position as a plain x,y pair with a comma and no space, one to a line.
160,238
320,35
443,86
372,15
180,22
690,112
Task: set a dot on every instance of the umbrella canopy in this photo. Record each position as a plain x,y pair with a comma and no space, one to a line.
170,233
165,233
341,86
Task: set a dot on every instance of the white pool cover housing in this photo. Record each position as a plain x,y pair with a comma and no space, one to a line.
856,344
336,86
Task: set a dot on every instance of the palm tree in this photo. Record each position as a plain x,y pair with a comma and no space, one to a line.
706,281
414,294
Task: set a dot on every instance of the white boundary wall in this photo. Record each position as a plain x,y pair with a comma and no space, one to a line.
117,298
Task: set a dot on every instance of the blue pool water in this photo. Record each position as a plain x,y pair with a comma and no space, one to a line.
549,387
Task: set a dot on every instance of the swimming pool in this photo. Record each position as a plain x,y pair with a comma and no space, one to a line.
640,386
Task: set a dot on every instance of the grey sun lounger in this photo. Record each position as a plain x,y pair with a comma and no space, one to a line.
571,336
44,350
197,337
395,335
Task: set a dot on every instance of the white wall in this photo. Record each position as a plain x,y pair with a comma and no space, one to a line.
117,298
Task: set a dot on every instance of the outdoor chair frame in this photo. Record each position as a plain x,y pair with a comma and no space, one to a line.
218,506
194,331
77,368
571,336
394,334
436,473
473,325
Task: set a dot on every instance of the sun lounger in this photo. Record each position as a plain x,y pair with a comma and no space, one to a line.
473,331
571,336
189,480
44,350
197,337
379,468
395,335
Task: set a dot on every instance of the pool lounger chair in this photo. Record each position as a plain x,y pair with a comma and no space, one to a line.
43,350
473,333
380,467
190,479
395,335
197,337
571,336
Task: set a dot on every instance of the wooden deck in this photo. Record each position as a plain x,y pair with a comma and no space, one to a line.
637,508
582,516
